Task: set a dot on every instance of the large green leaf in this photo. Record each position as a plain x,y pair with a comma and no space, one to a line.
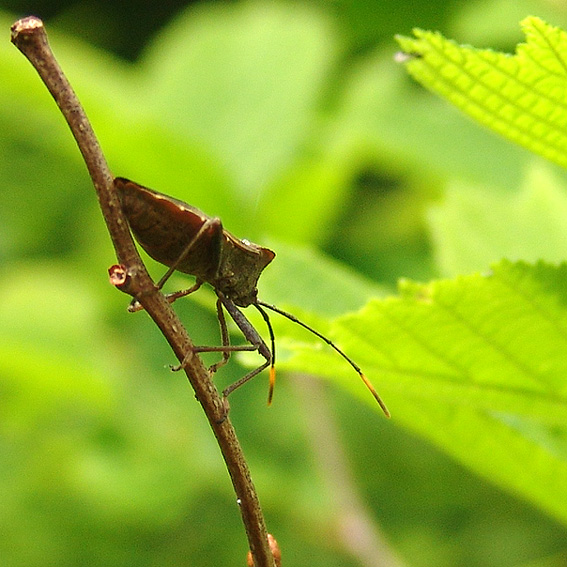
521,97
477,365
479,362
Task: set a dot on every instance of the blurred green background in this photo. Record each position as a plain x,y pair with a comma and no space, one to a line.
290,121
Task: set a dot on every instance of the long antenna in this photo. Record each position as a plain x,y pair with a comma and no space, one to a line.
323,338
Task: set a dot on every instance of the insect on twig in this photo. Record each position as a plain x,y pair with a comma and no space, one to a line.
183,238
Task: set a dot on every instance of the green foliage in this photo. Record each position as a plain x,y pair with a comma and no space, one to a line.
477,365
521,97
261,114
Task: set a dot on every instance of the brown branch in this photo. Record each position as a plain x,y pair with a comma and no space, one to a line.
29,36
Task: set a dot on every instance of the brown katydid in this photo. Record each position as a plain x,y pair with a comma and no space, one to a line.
185,239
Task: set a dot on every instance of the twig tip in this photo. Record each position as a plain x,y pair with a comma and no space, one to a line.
29,24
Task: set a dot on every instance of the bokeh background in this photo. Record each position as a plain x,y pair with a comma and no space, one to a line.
292,122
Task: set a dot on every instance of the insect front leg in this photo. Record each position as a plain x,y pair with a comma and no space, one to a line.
226,348
225,338
257,343
250,334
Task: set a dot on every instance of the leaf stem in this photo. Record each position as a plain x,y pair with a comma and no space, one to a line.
29,36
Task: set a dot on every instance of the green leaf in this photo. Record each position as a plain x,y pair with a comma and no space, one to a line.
477,365
521,97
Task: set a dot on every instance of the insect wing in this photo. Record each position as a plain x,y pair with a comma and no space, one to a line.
165,227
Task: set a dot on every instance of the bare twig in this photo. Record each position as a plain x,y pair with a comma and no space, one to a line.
28,35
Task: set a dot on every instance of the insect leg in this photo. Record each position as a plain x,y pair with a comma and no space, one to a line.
255,340
250,334
210,226
135,305
226,347
213,225
224,337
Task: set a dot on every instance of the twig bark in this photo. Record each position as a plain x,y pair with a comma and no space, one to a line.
29,36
